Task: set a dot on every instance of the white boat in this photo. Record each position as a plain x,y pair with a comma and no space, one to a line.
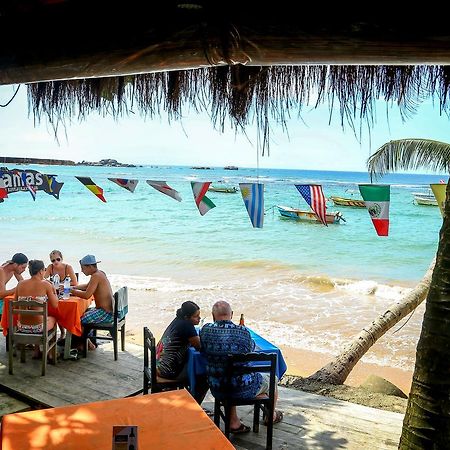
425,198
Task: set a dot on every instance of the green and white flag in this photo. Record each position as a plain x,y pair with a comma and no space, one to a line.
204,204
377,198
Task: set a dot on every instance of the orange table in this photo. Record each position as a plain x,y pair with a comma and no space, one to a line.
67,314
169,420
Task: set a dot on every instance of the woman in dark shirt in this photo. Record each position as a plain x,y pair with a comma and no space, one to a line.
172,349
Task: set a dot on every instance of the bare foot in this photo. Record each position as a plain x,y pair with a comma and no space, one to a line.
91,346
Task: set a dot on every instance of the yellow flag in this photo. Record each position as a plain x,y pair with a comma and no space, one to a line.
439,192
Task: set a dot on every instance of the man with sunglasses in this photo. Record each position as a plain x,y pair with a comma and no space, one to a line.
15,266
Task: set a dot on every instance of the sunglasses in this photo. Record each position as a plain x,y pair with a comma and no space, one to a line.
56,259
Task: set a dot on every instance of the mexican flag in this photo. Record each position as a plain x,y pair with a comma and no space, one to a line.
377,199
204,204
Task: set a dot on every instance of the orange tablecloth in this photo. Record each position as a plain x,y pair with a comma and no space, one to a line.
169,420
67,314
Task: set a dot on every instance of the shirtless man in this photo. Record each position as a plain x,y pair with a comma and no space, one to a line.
100,288
15,266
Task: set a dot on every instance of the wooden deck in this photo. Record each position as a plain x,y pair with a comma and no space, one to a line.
310,421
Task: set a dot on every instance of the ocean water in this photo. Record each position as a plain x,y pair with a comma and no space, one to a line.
299,284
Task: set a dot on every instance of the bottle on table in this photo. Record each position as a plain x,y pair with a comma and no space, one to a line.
56,283
66,293
132,440
241,320
55,280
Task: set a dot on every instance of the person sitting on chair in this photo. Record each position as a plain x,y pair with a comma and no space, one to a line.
15,266
36,288
220,339
99,287
63,270
172,349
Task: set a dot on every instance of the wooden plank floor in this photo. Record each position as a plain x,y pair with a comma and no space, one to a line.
97,377
310,421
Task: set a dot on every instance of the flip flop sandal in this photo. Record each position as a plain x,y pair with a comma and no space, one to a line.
73,355
242,429
278,418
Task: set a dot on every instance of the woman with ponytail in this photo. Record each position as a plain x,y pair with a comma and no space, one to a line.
172,349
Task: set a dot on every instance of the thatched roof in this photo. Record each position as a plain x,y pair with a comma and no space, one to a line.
237,60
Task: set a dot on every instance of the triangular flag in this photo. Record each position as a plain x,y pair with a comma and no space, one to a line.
31,189
129,185
377,199
3,191
96,190
204,204
313,195
253,196
51,186
162,186
439,191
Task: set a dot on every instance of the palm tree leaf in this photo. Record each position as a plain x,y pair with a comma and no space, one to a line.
410,154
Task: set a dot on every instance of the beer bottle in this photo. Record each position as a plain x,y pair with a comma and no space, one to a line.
241,320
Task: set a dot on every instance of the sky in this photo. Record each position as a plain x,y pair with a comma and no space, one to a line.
312,142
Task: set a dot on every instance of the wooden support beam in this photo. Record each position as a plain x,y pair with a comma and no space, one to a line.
67,40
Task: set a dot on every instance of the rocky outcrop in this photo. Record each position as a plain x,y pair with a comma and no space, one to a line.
105,162
44,161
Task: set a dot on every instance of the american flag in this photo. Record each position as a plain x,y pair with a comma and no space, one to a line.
313,195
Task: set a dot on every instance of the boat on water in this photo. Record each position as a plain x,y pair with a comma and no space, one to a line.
308,216
425,198
223,189
342,201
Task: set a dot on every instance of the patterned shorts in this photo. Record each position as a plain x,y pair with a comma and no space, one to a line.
96,315
30,329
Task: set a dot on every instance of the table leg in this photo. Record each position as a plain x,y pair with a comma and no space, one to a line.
67,344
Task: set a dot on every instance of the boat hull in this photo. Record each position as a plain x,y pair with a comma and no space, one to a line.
230,190
341,201
425,199
307,216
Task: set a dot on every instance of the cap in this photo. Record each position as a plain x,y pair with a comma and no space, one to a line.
88,260
19,258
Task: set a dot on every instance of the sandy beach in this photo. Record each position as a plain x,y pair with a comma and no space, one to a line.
303,363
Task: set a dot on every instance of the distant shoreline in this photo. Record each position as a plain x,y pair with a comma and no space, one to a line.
62,162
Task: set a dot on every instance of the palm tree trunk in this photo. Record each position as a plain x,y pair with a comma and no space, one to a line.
337,371
427,418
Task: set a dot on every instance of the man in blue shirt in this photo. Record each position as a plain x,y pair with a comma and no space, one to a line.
218,340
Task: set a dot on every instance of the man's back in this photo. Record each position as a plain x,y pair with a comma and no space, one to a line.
220,339
103,292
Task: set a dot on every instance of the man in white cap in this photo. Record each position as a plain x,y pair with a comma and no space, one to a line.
15,266
100,288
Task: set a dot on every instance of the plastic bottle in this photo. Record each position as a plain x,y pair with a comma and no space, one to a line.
56,281
241,320
66,293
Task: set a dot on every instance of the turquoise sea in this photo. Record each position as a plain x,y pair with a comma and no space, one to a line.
302,285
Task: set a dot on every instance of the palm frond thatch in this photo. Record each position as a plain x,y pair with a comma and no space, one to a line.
405,154
244,94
